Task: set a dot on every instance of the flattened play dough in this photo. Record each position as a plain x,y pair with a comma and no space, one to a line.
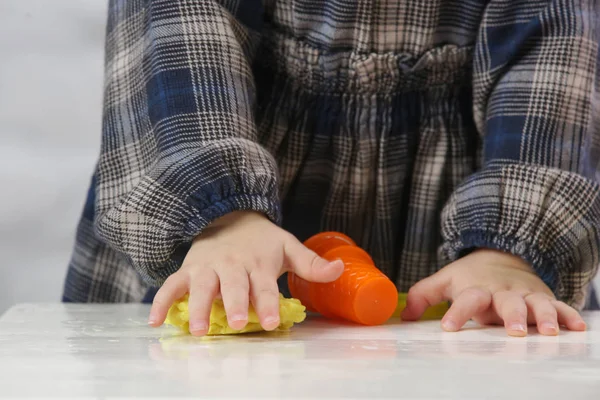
291,312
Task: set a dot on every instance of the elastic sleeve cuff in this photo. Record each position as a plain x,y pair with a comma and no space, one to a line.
243,202
548,217
155,224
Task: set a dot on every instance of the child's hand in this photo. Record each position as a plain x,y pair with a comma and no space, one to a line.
239,257
492,287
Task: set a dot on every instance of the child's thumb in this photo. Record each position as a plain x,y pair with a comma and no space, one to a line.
308,265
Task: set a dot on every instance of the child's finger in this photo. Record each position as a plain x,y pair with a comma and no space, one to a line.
424,294
470,302
204,288
569,317
543,312
511,308
174,288
235,290
264,293
308,265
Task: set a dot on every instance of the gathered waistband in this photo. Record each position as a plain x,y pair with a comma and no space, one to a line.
352,72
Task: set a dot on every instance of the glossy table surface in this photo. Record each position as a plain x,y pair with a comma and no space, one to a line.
107,351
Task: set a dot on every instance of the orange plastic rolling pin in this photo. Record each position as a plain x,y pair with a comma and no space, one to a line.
362,294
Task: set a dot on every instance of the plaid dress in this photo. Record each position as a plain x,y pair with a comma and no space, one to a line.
423,129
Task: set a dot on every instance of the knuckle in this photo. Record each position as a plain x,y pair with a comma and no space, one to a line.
161,300
564,306
546,316
548,296
476,295
417,290
260,264
314,259
192,267
500,295
163,295
204,286
258,277
230,259
200,309
267,292
517,316
413,291
544,311
234,285
537,297
289,238
204,277
257,262
172,279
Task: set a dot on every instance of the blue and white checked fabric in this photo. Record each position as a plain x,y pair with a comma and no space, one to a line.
423,129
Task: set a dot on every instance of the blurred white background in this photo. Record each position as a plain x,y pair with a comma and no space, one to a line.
51,65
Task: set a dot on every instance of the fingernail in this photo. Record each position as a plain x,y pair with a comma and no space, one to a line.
271,321
450,325
550,326
198,326
238,317
518,328
152,319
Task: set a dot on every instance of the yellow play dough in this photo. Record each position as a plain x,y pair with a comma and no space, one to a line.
433,312
291,312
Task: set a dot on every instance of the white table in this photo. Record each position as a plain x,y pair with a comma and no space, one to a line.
107,351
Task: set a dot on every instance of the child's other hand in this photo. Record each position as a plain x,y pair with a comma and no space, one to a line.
492,287
239,257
